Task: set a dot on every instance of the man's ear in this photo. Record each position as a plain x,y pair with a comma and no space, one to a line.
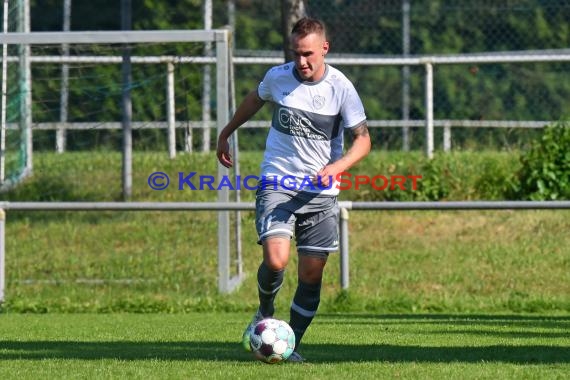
325,48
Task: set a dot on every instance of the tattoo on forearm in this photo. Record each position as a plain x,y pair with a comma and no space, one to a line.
361,130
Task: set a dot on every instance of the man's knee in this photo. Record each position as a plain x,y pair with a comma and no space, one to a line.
310,268
276,252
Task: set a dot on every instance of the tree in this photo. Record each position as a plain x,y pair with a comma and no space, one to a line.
291,12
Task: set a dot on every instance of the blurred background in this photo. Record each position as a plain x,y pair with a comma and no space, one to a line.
519,92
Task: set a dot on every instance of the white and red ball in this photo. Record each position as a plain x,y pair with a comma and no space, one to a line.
272,340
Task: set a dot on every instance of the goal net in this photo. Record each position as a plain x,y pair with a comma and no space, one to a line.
15,136
94,98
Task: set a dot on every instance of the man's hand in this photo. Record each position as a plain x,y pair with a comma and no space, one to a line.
223,152
326,176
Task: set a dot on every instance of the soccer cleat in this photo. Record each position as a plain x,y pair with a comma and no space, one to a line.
295,358
247,333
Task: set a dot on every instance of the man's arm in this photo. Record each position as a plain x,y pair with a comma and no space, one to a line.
359,149
248,107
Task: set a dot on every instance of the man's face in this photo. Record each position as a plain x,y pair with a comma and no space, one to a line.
309,53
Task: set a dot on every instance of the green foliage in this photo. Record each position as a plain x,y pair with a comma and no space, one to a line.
522,91
545,171
451,176
100,261
95,176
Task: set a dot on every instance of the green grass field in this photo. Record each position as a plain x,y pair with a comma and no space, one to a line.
409,261
450,294
338,346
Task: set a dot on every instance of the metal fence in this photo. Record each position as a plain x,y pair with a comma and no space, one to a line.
429,63
478,90
226,281
415,27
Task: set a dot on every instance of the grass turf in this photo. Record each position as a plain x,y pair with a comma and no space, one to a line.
409,261
480,294
338,346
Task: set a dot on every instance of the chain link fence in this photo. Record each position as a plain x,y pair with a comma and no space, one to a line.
427,27
486,104
523,95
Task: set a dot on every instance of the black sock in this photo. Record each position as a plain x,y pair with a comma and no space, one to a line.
303,309
268,284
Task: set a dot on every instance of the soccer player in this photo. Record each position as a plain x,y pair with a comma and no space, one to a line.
314,103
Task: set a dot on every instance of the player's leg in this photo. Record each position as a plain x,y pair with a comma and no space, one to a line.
275,224
317,236
269,280
308,294
271,272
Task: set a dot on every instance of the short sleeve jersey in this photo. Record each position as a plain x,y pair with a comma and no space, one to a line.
306,131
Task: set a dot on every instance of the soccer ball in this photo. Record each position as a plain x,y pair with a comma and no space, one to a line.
272,340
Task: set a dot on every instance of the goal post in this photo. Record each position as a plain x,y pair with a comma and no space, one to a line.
221,38
16,144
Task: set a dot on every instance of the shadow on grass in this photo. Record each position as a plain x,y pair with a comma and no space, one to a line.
504,334
512,320
316,353
449,317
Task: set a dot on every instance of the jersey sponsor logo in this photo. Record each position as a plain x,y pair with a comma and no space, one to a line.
297,124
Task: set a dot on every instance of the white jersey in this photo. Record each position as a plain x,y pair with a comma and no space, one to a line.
306,132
